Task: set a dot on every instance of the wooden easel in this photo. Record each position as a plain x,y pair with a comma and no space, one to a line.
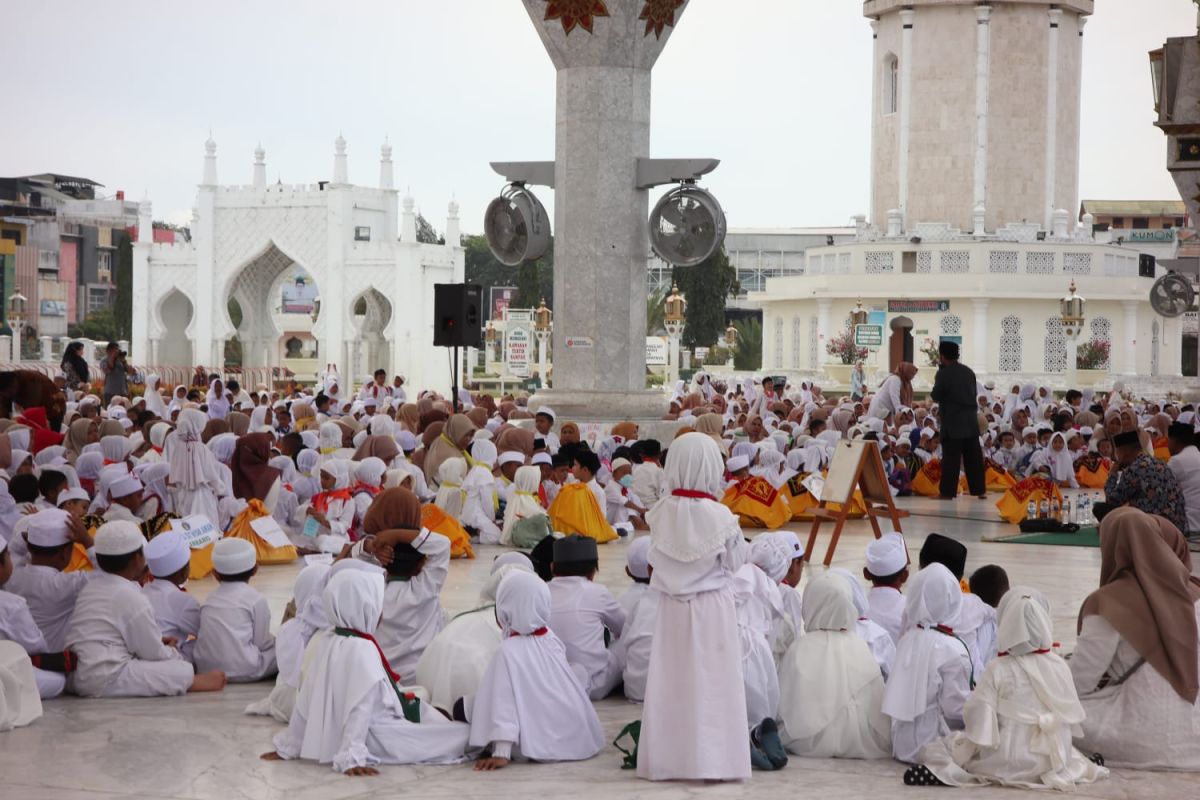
855,464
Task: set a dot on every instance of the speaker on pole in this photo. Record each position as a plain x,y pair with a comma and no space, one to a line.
1146,265
457,315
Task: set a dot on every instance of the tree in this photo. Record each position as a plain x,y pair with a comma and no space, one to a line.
748,353
100,326
123,278
534,281
426,233
655,313
705,287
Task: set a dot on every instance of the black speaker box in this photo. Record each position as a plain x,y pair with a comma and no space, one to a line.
457,315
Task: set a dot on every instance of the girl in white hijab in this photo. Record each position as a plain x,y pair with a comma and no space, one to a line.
217,400
830,687
350,712
1058,461
530,702
258,419
482,500
693,689
307,483
154,400
195,473
331,512
1021,718
931,676
451,496
222,446
523,502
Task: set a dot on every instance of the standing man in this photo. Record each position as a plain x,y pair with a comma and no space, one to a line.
1185,463
954,392
115,368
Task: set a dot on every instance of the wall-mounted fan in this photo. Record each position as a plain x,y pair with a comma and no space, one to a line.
686,226
1172,295
516,226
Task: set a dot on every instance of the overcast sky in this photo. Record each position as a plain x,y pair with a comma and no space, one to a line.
125,92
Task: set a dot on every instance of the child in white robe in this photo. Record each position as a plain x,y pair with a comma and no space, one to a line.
177,612
453,663
531,703
332,508
831,691
637,567
581,612
17,625
790,625
879,640
1020,719
756,588
931,676
482,500
887,570
350,712
976,620
235,620
290,641
119,650
50,593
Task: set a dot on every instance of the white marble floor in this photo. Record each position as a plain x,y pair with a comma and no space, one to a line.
202,746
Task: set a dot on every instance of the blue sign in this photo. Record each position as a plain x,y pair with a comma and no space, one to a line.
877,318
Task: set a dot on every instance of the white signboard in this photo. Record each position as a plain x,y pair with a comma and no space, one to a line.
269,531
580,342
700,353
657,351
198,531
518,314
517,352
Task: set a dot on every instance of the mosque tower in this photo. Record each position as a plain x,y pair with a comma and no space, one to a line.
975,113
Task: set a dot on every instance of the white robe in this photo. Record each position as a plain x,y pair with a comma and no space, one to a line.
19,701
947,684
51,596
758,610
412,610
235,634
636,642
886,609
118,646
580,612
17,625
177,613
453,663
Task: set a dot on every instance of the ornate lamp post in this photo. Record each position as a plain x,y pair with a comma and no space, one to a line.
673,307
542,326
858,315
1072,315
16,314
490,338
731,340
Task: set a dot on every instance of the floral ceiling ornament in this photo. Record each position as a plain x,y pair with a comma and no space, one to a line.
575,12
660,13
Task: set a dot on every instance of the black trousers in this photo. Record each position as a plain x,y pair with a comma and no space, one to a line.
967,454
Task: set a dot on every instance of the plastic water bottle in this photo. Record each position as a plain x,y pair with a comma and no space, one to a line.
1031,510
1055,509
1044,509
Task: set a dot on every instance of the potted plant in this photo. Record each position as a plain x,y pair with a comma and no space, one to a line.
929,349
842,348
1091,362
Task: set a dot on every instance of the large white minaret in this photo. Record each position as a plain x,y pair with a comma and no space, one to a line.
975,118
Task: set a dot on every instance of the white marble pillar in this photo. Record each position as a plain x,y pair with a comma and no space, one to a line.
204,236
600,237
6,347
906,55
1129,360
983,38
824,306
47,344
979,338
1055,15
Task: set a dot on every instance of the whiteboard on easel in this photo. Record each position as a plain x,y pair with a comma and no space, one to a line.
843,470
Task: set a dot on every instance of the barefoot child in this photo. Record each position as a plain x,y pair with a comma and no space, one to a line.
235,620
177,612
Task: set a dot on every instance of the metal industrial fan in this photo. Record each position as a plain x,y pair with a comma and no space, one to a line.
1172,295
516,226
686,226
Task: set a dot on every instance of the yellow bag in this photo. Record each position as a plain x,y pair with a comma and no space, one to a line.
925,482
575,510
438,521
79,560
240,528
799,499
757,504
201,566
1014,505
1093,478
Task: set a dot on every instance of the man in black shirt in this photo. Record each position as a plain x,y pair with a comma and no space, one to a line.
954,391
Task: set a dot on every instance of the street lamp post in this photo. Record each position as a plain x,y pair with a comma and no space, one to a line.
674,307
542,327
16,314
1072,314
858,316
731,340
490,338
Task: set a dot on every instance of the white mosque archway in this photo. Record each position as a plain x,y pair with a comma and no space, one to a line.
175,314
371,315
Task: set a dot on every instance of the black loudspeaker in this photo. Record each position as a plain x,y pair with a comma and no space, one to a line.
1146,263
457,315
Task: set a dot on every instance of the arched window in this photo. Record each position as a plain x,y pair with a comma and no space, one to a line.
796,342
891,84
1010,344
779,343
1054,357
951,325
813,352
1102,332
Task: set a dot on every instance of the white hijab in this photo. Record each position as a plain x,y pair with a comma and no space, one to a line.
688,529
192,464
524,501
1062,466
1024,632
154,401
218,405
451,495
934,598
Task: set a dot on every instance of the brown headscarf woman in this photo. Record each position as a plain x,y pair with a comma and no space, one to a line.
430,436
239,423
393,509
568,433
905,371
383,447
253,476
110,427
409,419
516,440
433,415
81,433
304,417
1147,595
452,443
478,416
214,427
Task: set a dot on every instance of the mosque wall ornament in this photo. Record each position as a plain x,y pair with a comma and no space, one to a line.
659,14
576,12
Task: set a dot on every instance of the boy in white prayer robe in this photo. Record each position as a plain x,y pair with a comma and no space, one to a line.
292,639
531,703
119,650
790,624
879,640
1019,721
49,592
235,620
637,567
412,608
177,612
453,663
581,613
887,570
349,712
931,677
759,609
17,625
830,688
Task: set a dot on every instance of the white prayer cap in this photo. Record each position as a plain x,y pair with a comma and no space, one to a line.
542,458
125,422
887,555
549,412
989,384
167,553
370,402
793,543
511,457
48,528
77,493
125,487
620,462
637,558
233,556
482,433
737,463
493,423
927,433
407,441
279,404
1029,431
1086,430
119,537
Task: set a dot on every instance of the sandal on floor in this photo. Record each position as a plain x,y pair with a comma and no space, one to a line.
920,776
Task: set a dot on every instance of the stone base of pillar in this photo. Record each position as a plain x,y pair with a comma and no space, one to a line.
606,407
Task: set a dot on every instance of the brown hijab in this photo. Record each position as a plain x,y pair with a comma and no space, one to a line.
214,427
393,509
626,430
408,418
239,423
478,416
906,371
77,437
446,446
110,427
383,447
1147,595
516,440
5,451
252,474
304,417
